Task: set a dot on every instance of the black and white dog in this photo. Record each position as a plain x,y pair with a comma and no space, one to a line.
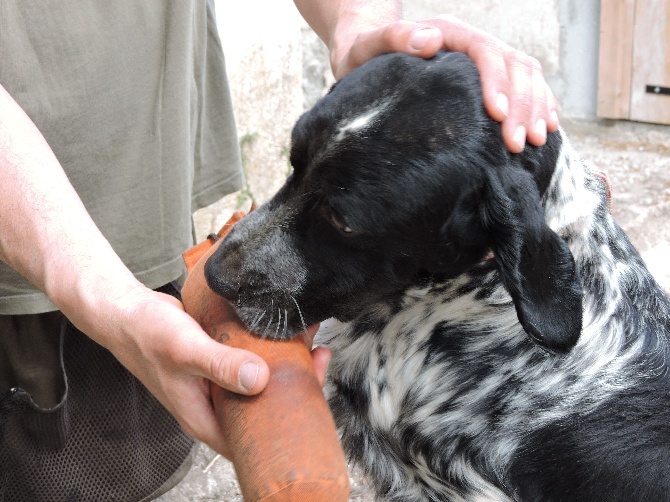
497,336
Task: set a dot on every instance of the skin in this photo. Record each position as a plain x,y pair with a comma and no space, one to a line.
148,332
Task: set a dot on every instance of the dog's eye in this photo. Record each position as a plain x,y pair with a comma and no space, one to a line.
336,221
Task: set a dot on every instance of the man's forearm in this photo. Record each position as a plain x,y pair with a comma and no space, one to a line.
46,233
327,17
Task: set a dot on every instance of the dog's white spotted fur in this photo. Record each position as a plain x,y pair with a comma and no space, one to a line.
408,393
459,379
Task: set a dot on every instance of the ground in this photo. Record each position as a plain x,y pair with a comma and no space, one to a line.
637,159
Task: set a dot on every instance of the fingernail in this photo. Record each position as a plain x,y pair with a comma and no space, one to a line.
420,38
503,104
520,136
554,117
248,375
541,128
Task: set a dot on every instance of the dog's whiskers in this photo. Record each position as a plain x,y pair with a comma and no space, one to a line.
302,319
267,326
278,322
257,321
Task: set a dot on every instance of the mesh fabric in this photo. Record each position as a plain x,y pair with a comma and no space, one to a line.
108,438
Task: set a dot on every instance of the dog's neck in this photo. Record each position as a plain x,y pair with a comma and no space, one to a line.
577,207
577,196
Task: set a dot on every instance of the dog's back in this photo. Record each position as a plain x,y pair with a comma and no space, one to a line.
614,442
441,394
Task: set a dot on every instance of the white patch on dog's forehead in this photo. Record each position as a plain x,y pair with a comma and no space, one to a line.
360,122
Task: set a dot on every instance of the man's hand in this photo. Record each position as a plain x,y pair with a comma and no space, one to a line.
175,359
514,89
71,261
515,92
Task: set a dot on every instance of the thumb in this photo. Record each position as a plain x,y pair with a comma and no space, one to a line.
236,370
401,36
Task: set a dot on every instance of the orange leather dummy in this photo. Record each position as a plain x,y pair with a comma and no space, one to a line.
283,441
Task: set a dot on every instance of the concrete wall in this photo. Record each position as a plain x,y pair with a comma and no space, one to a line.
278,68
262,41
576,81
530,26
561,34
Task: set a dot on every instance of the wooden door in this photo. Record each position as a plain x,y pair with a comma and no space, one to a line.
634,67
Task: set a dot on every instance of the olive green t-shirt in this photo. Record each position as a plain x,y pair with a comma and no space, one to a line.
132,97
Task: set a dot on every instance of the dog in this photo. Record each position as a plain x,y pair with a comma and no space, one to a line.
495,335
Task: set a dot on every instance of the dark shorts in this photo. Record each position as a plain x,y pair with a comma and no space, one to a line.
75,425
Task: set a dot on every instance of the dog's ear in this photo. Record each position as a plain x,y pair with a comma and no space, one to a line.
536,265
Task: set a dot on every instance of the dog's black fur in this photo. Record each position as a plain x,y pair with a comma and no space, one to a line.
538,374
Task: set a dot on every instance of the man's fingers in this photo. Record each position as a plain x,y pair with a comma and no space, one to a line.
537,130
321,359
490,61
520,120
514,89
309,334
199,421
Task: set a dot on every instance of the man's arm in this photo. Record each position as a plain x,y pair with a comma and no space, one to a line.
47,235
514,89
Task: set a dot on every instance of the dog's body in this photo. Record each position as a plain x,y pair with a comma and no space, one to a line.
540,373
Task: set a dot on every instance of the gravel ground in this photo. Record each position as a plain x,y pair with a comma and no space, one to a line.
637,160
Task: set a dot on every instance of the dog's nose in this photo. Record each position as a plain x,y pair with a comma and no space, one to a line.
224,289
217,283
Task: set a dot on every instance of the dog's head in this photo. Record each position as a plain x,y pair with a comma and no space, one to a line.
399,175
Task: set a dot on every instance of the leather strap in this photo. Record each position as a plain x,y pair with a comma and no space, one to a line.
192,255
